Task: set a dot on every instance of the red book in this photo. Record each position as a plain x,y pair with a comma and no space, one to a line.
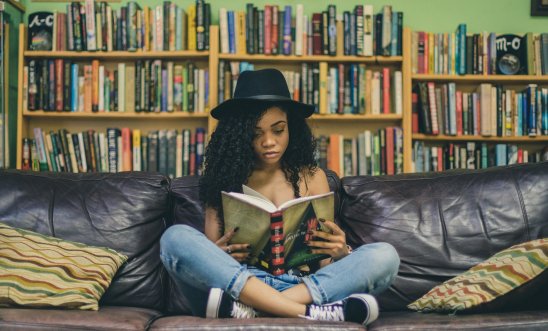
268,29
458,96
386,90
275,30
317,34
127,158
389,150
59,81
440,158
333,154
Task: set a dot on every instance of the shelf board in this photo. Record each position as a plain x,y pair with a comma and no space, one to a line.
519,139
310,58
357,117
481,78
117,55
111,115
18,5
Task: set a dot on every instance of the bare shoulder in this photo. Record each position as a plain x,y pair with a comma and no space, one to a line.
316,182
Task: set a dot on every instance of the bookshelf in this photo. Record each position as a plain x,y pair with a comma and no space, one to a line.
145,121
469,84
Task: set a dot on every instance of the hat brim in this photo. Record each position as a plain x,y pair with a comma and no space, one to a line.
238,105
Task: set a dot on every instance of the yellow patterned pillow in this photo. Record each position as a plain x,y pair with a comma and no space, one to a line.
514,269
42,271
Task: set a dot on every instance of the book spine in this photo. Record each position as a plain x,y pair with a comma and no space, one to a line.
276,244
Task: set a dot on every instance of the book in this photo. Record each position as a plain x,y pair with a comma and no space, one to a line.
40,34
277,235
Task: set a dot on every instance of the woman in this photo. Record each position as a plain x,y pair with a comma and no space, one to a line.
263,141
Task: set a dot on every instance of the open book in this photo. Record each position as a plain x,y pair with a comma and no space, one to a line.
277,235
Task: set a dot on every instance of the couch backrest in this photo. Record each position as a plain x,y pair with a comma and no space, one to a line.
187,209
124,211
444,223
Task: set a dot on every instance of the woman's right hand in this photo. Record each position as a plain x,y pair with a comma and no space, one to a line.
240,252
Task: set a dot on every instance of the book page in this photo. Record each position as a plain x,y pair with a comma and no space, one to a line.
253,223
253,200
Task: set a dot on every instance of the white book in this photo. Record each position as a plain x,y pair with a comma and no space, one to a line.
121,87
101,88
82,152
299,29
72,153
493,110
103,150
386,28
398,85
223,27
484,91
90,25
368,30
159,21
81,87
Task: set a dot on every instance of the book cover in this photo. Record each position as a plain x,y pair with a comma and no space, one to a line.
274,247
40,32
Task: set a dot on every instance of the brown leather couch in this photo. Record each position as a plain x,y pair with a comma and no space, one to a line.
441,224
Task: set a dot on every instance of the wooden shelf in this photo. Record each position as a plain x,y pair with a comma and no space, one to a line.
17,5
113,115
357,117
482,78
117,55
311,58
518,139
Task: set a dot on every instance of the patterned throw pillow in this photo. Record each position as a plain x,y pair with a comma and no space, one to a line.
41,271
510,270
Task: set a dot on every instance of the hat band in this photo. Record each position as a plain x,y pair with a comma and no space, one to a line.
266,97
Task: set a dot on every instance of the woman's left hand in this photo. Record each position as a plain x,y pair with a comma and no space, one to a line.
334,244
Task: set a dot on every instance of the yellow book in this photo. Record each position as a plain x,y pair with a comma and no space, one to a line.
240,33
191,27
431,53
323,88
136,150
146,14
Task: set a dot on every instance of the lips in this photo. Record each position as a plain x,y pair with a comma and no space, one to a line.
270,155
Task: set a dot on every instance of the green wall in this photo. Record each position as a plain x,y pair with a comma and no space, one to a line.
502,16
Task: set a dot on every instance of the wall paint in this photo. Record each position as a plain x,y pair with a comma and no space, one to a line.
501,16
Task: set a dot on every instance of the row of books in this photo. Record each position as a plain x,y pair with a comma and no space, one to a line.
171,152
471,155
479,53
334,89
150,85
95,26
489,111
274,30
370,153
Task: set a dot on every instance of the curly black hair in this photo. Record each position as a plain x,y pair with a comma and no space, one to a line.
230,158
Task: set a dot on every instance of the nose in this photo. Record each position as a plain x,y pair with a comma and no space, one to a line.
268,140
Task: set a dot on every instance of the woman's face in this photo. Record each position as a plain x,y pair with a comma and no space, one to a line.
271,137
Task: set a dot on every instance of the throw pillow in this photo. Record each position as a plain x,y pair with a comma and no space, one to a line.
505,279
42,271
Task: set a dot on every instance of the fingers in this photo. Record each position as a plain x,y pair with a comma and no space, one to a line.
335,229
325,244
226,237
240,257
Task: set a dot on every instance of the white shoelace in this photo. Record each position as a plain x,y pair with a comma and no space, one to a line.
239,310
326,313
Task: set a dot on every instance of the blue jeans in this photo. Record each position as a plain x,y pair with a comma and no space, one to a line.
196,264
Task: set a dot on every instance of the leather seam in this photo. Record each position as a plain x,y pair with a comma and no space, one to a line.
522,206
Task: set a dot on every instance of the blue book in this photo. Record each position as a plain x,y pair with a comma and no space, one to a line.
231,41
484,156
545,111
287,30
501,155
178,29
74,95
394,35
519,111
462,49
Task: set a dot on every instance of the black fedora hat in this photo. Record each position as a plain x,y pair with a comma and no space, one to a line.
259,88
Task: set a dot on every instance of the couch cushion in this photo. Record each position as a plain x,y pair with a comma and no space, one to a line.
187,209
176,323
511,321
503,282
123,211
106,318
42,271
442,224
